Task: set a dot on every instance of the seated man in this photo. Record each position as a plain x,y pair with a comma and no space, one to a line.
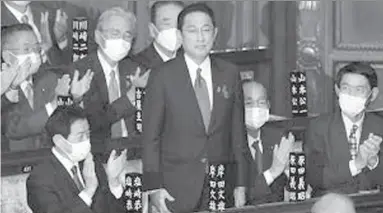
163,29
110,100
71,180
24,122
342,147
268,150
333,203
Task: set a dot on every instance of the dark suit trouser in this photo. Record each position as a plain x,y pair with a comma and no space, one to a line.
203,203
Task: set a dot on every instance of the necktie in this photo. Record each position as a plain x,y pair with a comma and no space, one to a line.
202,94
113,95
258,156
29,93
353,142
76,178
25,19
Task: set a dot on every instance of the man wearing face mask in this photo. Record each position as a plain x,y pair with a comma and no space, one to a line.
37,89
55,50
267,153
163,29
110,101
71,180
342,148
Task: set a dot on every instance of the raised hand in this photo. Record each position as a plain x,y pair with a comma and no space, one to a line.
63,86
158,199
60,27
80,87
114,167
137,80
46,39
281,155
89,175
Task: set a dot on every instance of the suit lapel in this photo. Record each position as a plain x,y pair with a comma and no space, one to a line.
154,56
62,174
100,79
218,100
338,141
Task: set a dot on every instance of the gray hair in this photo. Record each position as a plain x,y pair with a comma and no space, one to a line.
116,11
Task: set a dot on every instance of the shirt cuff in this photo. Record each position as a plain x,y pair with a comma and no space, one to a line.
354,171
49,109
268,177
116,191
63,44
153,191
372,167
86,198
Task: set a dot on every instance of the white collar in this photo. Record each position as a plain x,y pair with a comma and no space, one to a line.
18,14
68,164
162,54
205,65
348,123
251,139
105,65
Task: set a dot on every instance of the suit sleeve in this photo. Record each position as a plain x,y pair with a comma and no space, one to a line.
154,110
238,136
323,174
262,193
43,198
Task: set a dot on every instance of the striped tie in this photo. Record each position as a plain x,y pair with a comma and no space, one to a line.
76,178
353,142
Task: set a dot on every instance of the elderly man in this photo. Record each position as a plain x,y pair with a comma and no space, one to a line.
163,28
110,100
268,149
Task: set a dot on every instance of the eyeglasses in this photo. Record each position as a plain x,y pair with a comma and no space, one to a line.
257,103
194,30
358,90
116,34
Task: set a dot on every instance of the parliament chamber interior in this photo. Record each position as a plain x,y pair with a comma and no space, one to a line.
101,110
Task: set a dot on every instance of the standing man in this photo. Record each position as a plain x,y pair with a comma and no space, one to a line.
194,117
163,29
110,100
342,148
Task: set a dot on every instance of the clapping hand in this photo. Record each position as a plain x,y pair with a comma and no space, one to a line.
115,166
281,155
46,39
61,26
63,86
89,174
137,80
80,87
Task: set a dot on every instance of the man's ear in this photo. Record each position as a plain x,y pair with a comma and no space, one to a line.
215,32
374,94
336,90
153,31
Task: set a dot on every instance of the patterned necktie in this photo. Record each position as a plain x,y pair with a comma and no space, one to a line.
202,94
353,142
25,19
113,95
258,156
76,178
29,93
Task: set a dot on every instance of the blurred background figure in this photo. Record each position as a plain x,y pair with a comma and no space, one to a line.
334,203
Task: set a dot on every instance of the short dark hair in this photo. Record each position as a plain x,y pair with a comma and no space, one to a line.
196,7
361,68
158,4
8,32
62,119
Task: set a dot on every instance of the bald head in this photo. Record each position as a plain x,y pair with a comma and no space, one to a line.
254,92
333,203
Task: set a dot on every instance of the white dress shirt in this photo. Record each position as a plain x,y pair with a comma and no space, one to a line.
68,165
205,73
348,126
266,174
163,55
107,70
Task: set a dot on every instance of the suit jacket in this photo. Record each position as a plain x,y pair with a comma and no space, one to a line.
50,189
55,55
101,113
176,146
327,149
148,58
258,190
24,126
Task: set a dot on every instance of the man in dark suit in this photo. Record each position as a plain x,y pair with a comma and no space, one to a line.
55,49
110,100
268,150
70,180
193,118
163,29
342,148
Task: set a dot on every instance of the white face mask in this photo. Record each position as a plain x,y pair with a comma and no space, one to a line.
256,117
116,49
78,151
169,39
21,3
351,105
